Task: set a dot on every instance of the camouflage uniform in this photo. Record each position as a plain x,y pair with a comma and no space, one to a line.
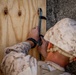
18,62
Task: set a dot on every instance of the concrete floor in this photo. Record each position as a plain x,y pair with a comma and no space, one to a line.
58,9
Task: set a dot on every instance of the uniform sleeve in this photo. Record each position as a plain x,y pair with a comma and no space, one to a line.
17,62
23,47
65,73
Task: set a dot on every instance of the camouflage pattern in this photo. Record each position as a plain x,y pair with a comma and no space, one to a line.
48,69
63,35
18,62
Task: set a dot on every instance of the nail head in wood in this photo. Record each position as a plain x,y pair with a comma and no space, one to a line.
5,11
19,13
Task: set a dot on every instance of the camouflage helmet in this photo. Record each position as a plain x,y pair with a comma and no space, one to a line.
63,35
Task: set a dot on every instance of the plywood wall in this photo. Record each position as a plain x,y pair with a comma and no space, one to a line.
17,18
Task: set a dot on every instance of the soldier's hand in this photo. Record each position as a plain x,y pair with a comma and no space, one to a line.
43,48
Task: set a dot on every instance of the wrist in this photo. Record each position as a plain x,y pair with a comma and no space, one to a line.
33,42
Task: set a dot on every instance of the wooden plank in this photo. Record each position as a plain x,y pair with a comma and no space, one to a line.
17,18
